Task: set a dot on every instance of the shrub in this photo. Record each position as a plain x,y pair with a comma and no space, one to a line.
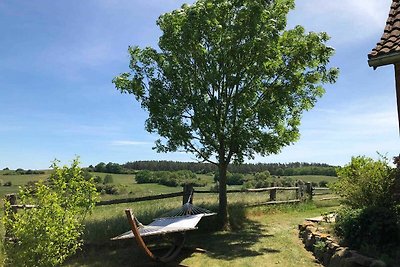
235,179
372,226
86,174
97,179
216,176
319,249
31,187
186,175
173,179
109,189
108,179
365,182
262,179
169,179
48,234
8,183
288,182
144,177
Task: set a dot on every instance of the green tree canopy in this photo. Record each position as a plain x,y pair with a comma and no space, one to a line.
228,80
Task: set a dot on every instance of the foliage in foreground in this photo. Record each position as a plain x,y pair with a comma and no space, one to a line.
371,221
365,182
375,226
47,234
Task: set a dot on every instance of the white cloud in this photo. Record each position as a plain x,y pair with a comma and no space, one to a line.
345,21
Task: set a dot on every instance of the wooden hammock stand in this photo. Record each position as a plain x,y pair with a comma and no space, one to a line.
178,222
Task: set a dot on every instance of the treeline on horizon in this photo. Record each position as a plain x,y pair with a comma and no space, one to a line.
278,169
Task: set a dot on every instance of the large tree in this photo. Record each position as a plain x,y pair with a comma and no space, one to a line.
228,81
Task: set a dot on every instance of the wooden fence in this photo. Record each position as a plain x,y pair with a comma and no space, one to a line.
303,192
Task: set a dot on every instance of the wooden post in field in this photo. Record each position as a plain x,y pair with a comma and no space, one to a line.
298,191
272,193
12,200
187,194
309,190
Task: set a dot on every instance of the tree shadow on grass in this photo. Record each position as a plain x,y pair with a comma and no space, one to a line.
238,243
124,254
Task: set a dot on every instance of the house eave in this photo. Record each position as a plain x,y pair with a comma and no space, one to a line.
383,60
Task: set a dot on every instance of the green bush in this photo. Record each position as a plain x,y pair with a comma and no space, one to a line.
145,177
48,234
169,179
216,176
262,179
365,182
108,189
235,179
319,249
288,182
373,226
108,179
173,179
97,179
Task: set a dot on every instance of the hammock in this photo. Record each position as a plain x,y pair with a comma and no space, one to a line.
175,222
164,226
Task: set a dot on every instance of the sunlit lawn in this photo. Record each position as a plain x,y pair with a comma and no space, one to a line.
266,236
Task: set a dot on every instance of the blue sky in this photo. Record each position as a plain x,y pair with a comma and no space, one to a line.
57,60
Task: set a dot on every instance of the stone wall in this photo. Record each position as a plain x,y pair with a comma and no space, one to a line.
331,254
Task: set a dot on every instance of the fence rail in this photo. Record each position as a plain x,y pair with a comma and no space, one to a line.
138,199
302,192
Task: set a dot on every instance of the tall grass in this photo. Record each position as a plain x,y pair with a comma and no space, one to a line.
109,221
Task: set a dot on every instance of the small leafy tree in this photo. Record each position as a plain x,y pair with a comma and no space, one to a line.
365,182
47,234
228,81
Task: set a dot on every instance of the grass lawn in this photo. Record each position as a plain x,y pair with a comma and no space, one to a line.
267,236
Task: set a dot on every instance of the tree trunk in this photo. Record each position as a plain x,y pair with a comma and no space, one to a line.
223,200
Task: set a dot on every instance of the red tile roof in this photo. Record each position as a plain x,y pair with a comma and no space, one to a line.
390,40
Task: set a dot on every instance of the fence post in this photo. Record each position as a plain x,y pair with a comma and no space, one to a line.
272,193
187,194
12,200
309,190
298,193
